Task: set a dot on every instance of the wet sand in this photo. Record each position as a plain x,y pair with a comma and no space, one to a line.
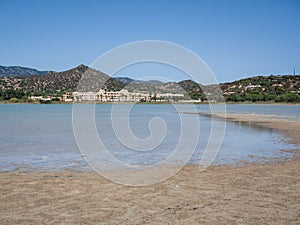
248,194
288,127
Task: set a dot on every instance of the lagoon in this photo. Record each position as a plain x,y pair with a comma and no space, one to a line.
40,137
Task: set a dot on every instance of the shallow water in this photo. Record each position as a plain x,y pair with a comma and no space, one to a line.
41,136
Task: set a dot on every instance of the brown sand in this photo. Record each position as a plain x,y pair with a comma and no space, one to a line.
290,128
249,194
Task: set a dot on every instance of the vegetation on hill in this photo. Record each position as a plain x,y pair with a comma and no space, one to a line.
6,71
193,89
61,82
82,78
124,80
255,89
263,88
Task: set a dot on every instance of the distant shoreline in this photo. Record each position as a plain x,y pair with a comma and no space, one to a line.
151,103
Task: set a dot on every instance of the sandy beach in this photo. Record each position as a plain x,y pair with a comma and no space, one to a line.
249,194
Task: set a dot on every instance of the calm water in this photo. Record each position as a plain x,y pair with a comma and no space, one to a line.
41,136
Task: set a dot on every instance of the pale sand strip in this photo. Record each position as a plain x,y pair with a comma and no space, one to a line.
249,194
289,127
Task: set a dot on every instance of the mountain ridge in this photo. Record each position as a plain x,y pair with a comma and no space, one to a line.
8,71
256,88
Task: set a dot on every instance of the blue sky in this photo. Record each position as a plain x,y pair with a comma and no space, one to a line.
235,38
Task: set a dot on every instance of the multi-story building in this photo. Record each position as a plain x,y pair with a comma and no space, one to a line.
111,96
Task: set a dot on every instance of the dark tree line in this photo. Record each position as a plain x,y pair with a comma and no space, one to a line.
258,97
11,93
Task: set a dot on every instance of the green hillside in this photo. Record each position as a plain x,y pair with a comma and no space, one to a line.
280,88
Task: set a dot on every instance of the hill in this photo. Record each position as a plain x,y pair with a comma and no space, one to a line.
124,80
8,71
280,88
54,82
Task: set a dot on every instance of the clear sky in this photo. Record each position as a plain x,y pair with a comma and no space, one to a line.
235,38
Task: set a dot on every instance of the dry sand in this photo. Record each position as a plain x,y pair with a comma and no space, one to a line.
249,194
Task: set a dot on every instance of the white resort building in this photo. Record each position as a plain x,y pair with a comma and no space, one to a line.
119,96
111,96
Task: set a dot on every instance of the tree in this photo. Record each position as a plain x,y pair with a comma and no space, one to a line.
281,98
293,97
269,97
11,93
